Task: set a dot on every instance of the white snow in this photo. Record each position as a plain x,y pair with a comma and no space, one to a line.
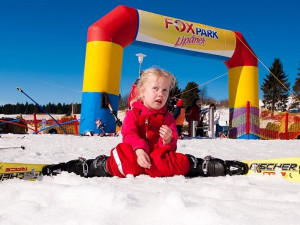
70,199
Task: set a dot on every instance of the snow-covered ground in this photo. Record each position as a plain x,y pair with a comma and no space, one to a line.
70,199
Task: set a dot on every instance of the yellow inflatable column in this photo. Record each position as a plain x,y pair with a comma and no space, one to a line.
243,88
102,67
102,73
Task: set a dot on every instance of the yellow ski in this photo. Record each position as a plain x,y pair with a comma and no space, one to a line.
21,170
289,168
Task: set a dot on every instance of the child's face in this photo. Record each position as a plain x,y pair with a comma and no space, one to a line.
156,92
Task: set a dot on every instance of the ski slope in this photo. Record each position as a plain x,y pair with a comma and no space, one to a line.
70,199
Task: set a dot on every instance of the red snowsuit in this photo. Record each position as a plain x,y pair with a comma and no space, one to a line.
140,129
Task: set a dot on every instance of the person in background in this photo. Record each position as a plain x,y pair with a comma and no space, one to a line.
149,141
218,129
179,115
196,115
171,104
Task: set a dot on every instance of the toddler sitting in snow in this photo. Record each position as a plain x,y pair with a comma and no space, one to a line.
149,141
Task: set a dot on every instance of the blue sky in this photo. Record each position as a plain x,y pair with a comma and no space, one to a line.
43,43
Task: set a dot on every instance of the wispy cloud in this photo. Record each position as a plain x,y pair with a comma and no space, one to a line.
58,86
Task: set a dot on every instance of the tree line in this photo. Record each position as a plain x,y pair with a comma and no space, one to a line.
51,108
59,108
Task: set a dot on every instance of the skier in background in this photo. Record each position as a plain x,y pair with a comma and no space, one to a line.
218,129
179,115
196,115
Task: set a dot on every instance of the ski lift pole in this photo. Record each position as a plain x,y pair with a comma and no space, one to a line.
211,121
20,90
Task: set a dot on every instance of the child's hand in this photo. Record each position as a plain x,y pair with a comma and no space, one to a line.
166,134
143,159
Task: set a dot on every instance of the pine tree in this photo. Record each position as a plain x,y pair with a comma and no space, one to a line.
59,109
296,89
190,93
275,94
27,108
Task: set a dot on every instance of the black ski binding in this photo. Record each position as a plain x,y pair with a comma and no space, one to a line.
236,168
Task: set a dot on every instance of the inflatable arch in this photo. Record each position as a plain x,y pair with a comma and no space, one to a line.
111,34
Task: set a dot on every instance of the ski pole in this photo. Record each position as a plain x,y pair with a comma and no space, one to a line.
20,90
3,122
105,103
22,147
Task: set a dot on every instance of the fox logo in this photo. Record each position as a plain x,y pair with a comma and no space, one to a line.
190,28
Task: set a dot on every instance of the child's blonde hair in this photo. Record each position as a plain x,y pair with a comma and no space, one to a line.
150,72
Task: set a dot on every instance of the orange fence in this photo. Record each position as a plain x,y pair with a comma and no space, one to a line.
263,123
279,125
39,124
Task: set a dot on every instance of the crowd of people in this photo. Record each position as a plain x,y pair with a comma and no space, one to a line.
195,118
